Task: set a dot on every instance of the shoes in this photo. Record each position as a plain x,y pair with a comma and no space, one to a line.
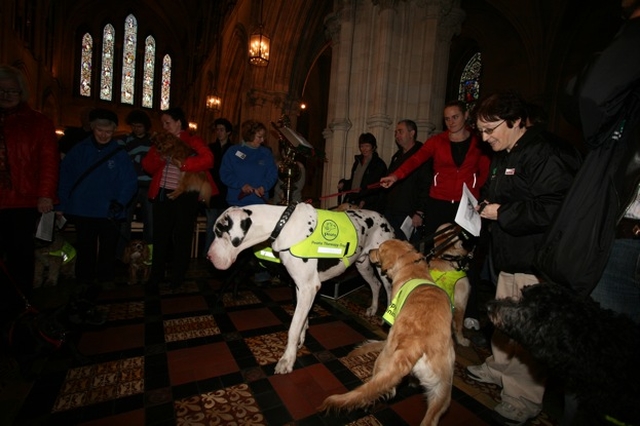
471,324
508,415
480,373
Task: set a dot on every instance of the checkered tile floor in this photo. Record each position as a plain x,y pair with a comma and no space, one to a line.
184,357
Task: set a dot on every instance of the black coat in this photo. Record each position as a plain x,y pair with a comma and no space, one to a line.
373,198
529,183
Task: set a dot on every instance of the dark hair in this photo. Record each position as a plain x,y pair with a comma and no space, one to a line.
508,106
103,116
368,138
178,115
250,128
223,122
411,125
457,103
139,117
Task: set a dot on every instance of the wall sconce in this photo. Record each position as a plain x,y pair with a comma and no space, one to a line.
213,102
193,126
259,45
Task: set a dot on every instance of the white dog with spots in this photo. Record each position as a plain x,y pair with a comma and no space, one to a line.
239,228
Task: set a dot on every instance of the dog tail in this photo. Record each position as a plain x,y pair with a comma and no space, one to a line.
367,347
382,384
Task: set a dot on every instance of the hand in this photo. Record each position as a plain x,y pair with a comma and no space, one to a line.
247,189
387,181
259,191
45,205
416,221
115,209
489,211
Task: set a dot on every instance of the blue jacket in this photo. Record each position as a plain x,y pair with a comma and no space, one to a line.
242,165
113,180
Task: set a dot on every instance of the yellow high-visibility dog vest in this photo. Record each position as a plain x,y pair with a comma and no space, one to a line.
398,300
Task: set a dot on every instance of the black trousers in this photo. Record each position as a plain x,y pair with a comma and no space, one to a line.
96,241
173,222
17,230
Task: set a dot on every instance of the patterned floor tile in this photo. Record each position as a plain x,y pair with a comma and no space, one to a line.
268,348
123,311
190,328
244,298
101,382
362,365
235,405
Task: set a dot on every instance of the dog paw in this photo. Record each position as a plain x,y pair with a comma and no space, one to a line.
463,341
284,366
371,311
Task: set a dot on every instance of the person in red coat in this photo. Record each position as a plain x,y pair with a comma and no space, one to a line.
173,220
29,162
457,159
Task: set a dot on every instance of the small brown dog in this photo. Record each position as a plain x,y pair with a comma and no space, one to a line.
420,339
138,256
57,258
448,266
169,145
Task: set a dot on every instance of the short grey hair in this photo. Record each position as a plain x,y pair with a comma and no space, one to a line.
7,72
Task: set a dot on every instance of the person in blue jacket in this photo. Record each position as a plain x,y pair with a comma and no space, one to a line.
248,169
97,181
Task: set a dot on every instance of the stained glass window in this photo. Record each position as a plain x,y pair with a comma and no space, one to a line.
147,77
127,89
85,65
106,77
469,90
165,93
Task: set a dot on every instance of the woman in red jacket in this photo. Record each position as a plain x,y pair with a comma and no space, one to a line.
457,159
174,219
29,161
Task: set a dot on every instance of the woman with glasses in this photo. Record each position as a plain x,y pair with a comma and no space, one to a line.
29,162
530,176
457,158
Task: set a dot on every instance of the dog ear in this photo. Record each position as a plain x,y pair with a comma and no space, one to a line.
126,256
301,224
374,257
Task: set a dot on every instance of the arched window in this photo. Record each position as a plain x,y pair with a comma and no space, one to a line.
127,88
469,89
145,81
166,83
147,78
85,65
106,76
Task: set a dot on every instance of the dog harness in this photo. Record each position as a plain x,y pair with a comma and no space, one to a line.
67,253
334,237
398,300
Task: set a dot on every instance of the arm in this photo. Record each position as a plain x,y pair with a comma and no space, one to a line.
202,161
425,152
152,163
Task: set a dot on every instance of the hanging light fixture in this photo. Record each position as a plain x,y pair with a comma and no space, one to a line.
259,45
214,102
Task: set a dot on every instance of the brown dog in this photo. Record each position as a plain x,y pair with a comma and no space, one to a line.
449,265
138,256
419,341
170,145
57,258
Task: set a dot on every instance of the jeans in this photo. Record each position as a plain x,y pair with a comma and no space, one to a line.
619,286
212,215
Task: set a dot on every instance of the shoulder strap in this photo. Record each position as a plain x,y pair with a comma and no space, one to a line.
93,167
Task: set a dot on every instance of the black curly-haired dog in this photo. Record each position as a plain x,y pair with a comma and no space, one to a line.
593,350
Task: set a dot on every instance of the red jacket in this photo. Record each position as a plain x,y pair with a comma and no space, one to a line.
34,158
154,164
447,177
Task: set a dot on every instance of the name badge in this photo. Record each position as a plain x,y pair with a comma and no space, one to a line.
241,155
510,172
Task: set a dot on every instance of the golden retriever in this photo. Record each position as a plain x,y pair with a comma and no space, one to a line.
450,261
419,341
169,145
138,256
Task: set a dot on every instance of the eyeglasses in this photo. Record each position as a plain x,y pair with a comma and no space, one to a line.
10,92
489,131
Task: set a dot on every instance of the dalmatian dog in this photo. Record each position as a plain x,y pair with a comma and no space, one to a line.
239,228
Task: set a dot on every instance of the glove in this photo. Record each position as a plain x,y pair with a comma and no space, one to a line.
115,209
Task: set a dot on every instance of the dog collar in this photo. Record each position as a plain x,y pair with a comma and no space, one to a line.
284,218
